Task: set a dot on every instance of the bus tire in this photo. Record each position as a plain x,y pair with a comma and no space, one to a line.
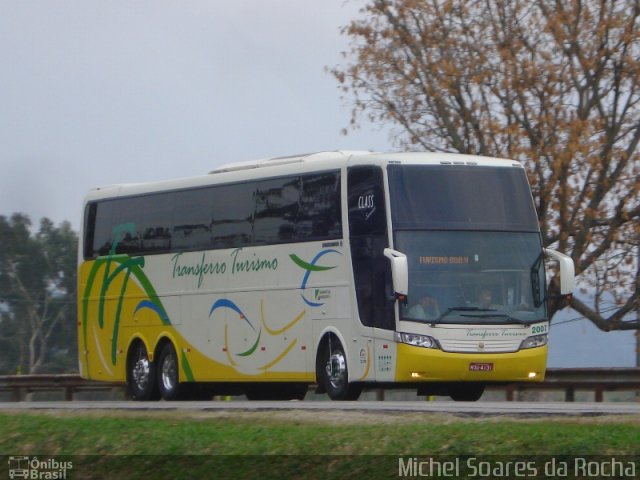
141,374
334,372
466,392
168,376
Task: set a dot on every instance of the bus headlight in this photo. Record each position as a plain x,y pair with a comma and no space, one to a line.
534,341
416,340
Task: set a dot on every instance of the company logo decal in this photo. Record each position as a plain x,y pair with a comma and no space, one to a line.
311,267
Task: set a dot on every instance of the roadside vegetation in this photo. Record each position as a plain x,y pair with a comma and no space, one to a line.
286,444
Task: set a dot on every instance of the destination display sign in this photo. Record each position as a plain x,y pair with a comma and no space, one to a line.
444,260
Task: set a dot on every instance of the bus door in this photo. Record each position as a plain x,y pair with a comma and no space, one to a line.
371,270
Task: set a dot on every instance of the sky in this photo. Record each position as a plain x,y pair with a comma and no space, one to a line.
95,93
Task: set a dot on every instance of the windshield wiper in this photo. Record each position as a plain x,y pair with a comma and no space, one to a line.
451,310
504,315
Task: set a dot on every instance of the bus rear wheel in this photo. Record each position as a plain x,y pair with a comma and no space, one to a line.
141,376
168,374
334,373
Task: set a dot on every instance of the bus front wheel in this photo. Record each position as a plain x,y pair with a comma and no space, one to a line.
141,374
334,373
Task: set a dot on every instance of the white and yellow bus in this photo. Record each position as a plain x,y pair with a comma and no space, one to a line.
340,269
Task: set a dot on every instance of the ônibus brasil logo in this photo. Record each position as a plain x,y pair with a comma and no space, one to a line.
34,468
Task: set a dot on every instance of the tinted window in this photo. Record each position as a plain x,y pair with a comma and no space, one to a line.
368,239
152,225
367,213
278,210
500,274
90,229
103,233
192,219
460,197
233,207
320,207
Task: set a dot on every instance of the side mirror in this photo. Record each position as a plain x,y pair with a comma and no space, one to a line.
399,272
567,271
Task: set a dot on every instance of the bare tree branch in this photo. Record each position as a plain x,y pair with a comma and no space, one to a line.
553,84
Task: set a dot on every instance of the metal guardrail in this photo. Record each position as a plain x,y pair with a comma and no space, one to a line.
598,380
21,385
569,380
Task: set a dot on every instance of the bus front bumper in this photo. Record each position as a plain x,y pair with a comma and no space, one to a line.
418,364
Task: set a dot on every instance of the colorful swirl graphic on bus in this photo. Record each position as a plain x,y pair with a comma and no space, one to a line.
113,273
239,326
309,268
117,293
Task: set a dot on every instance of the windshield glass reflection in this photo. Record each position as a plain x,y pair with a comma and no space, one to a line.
473,277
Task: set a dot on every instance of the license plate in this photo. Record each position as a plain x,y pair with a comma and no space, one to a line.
481,367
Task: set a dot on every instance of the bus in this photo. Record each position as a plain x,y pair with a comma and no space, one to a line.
343,270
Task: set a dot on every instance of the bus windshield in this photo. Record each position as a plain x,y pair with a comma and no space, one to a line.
472,241
461,197
473,277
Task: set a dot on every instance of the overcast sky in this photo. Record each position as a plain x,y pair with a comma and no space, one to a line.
95,92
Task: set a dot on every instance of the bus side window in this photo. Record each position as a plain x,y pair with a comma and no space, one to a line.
89,250
368,238
320,211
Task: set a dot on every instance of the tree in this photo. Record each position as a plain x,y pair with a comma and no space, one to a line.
37,296
554,84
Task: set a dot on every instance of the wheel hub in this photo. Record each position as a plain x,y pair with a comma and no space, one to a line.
337,370
141,373
169,373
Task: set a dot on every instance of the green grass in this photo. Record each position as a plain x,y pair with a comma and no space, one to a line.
235,444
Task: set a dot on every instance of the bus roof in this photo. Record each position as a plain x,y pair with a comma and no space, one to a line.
278,166
368,157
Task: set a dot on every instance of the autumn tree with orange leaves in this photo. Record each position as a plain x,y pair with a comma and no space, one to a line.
554,84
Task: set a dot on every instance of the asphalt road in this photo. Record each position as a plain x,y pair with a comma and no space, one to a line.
516,409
